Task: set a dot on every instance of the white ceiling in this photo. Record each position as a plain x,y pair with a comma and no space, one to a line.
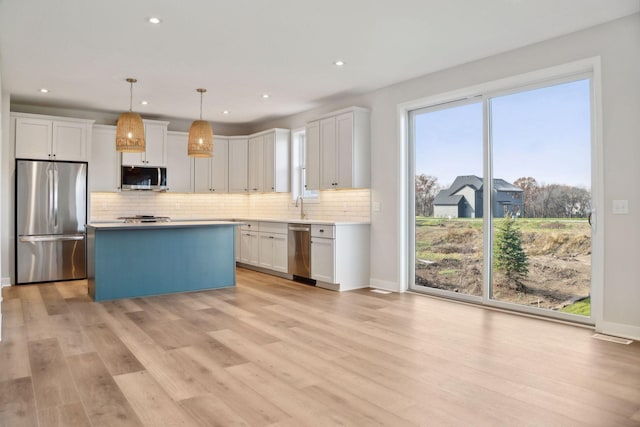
82,50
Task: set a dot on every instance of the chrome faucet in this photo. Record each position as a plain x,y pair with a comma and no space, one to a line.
302,214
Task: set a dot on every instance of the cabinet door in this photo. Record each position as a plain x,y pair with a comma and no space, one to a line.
344,147
69,141
268,163
133,159
238,158
155,136
103,165
220,166
256,165
322,260
328,153
33,138
312,156
254,257
179,164
280,256
202,175
245,247
266,250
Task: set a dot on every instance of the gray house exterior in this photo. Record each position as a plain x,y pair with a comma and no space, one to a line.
463,199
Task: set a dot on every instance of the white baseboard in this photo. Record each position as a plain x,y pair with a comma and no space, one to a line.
385,285
619,330
6,281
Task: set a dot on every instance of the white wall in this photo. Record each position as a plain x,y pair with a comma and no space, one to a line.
3,119
618,45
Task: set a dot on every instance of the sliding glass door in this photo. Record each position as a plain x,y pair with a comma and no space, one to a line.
502,199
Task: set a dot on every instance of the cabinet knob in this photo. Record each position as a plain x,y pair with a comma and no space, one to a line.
322,231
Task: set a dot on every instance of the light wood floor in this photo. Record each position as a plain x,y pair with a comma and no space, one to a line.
275,353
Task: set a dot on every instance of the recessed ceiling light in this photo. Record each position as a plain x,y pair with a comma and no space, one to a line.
338,63
225,112
154,20
265,95
144,102
44,90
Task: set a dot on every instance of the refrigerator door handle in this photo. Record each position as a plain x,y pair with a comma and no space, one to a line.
55,198
31,239
50,191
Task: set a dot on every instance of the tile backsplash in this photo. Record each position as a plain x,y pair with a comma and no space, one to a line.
339,205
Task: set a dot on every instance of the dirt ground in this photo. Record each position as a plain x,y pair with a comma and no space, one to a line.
559,254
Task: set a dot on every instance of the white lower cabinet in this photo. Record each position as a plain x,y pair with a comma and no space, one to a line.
323,259
340,256
263,244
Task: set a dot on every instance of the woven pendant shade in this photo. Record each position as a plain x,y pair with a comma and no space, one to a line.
200,135
130,133
200,139
130,128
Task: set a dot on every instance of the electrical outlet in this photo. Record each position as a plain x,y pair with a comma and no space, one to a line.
620,207
376,206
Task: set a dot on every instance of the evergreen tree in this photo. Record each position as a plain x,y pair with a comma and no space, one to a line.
508,254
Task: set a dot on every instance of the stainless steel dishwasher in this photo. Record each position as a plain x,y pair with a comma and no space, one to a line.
300,252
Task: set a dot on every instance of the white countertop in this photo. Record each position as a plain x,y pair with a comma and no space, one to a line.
148,225
211,221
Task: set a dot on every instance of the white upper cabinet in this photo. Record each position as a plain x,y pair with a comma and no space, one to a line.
256,164
51,138
103,165
269,161
238,163
211,174
155,134
179,164
338,151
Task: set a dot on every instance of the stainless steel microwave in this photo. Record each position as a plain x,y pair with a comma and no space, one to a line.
143,178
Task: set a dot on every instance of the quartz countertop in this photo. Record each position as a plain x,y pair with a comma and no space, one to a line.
101,223
150,225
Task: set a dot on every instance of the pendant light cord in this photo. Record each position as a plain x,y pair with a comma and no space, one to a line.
201,93
131,96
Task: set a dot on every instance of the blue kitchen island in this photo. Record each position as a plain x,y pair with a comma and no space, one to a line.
136,260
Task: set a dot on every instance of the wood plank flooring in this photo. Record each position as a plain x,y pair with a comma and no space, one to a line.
271,352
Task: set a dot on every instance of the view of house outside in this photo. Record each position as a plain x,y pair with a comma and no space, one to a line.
540,198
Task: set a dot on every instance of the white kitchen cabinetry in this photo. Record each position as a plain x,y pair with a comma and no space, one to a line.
51,138
340,256
273,246
179,164
155,134
103,165
343,152
269,161
211,174
264,245
250,243
238,163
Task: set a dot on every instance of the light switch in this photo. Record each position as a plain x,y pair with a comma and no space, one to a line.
376,206
620,207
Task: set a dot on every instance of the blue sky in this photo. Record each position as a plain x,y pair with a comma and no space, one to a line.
543,133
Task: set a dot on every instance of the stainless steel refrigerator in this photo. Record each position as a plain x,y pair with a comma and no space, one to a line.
51,213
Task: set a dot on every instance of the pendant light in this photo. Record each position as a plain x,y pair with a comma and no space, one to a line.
130,128
200,135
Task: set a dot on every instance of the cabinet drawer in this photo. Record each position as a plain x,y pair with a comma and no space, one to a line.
327,231
250,226
273,227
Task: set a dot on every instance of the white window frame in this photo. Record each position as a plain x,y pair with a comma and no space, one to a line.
298,159
539,78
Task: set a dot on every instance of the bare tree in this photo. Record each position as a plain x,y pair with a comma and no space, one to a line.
426,189
529,189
